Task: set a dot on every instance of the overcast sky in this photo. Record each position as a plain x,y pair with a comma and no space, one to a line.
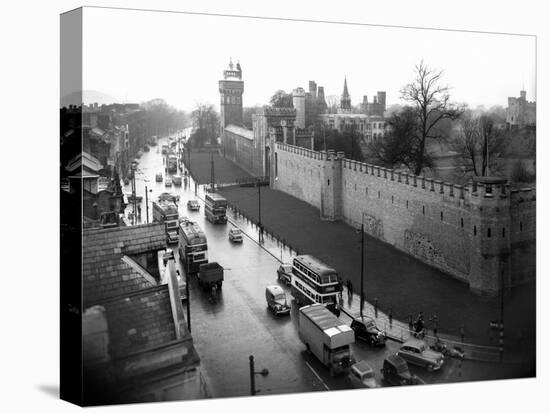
135,56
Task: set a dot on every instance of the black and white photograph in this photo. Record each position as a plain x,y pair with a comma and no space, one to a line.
280,205
280,219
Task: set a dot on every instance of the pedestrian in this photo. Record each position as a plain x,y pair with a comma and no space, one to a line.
139,212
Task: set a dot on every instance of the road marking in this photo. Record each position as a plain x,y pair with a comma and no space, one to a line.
318,377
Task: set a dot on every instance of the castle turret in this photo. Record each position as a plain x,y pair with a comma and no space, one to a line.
299,102
490,235
231,92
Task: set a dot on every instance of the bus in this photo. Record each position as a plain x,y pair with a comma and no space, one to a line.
172,163
215,208
312,281
165,211
193,248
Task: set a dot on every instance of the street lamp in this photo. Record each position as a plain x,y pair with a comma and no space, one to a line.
147,203
362,294
264,372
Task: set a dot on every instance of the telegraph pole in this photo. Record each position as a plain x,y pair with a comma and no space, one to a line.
212,177
146,205
362,265
501,339
259,211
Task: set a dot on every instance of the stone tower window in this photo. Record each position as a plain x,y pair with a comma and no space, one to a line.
520,226
392,199
461,222
441,216
423,210
407,203
489,232
503,232
475,230
379,194
328,182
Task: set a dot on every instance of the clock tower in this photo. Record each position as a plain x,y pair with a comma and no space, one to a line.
231,96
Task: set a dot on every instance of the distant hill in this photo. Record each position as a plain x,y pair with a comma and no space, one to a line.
88,97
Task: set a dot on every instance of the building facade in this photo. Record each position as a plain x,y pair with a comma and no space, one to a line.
521,112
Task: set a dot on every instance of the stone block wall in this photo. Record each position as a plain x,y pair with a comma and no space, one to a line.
484,236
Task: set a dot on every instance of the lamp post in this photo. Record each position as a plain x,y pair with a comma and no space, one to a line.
260,233
147,203
362,265
264,372
133,169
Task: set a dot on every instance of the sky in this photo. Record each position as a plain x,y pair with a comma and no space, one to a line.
134,56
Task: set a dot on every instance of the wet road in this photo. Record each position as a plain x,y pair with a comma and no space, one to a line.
239,324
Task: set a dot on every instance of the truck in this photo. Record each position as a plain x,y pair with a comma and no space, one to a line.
215,208
172,163
326,337
167,269
165,211
210,276
193,247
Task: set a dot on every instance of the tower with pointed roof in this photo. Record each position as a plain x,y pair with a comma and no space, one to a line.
231,89
345,100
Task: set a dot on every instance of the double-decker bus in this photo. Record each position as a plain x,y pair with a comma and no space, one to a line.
215,208
193,249
312,281
172,163
165,211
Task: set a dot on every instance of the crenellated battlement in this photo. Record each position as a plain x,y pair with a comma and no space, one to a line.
272,111
464,230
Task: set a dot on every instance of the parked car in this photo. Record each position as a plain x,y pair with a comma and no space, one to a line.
235,235
158,178
417,352
396,372
193,205
365,328
176,180
168,182
276,300
361,375
284,272
183,220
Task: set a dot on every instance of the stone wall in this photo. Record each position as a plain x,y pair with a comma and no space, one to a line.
472,233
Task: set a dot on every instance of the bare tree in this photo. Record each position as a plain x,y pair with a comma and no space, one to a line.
333,101
481,143
206,122
431,103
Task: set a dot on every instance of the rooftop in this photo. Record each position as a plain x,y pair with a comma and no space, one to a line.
243,132
108,271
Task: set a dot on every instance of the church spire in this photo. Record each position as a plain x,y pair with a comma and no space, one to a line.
345,94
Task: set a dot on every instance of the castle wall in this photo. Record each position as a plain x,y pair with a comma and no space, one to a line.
468,232
241,151
523,235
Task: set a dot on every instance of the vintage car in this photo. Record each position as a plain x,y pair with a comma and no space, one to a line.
361,375
284,272
276,300
235,235
417,352
176,180
170,197
365,328
396,372
168,182
158,178
193,205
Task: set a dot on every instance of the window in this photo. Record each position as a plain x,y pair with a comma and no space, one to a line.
520,226
407,203
461,222
423,210
328,182
441,216
392,199
503,232
489,232
379,194
366,190
475,230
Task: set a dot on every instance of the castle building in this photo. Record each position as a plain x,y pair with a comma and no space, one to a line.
375,108
521,112
250,148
